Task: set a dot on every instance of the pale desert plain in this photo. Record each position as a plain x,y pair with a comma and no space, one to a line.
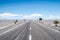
8,23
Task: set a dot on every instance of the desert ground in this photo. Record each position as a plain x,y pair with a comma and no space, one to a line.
7,23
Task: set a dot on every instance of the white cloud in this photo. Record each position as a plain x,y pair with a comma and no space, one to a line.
32,16
18,16
54,17
8,15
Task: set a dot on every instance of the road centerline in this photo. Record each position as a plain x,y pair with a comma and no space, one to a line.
30,36
30,28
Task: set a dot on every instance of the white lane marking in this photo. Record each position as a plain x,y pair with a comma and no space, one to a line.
57,27
7,31
30,28
3,27
53,29
30,37
10,30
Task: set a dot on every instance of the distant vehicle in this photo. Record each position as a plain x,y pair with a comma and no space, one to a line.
40,18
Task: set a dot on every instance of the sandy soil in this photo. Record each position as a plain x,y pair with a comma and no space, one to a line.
7,23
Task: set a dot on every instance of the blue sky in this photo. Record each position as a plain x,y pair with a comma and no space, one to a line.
29,9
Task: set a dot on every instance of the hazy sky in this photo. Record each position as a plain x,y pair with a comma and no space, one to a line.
29,9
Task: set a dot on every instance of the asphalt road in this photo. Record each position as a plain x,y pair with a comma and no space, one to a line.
39,32
30,31
15,32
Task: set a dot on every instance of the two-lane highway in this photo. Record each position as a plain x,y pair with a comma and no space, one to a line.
30,31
